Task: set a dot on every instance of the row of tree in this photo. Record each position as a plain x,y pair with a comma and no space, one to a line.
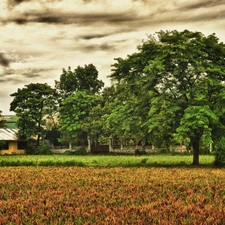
171,90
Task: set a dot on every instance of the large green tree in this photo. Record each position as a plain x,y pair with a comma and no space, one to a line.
125,114
82,82
33,104
76,116
183,74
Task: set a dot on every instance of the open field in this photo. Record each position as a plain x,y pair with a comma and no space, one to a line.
103,160
111,196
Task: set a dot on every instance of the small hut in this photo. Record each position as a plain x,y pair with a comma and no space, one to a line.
10,143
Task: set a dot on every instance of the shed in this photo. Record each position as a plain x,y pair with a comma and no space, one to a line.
10,143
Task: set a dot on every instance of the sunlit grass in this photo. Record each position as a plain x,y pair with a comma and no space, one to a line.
103,160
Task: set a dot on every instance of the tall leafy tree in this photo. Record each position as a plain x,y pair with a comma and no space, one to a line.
124,118
184,74
33,104
82,83
75,113
81,79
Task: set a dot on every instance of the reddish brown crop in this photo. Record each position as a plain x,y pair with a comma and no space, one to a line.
78,195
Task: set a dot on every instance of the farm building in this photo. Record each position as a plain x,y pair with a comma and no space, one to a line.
10,143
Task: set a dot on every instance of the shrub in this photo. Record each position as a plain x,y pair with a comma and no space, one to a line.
220,152
42,149
143,161
80,151
140,152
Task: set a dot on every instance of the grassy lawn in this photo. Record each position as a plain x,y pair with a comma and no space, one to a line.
103,160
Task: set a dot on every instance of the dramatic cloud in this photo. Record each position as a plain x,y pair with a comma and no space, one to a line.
19,76
3,60
82,19
40,37
194,5
100,13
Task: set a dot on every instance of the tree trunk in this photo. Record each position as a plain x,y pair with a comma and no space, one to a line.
110,144
89,143
38,140
195,145
121,144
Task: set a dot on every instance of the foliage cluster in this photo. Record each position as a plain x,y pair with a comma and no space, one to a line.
111,196
220,155
42,149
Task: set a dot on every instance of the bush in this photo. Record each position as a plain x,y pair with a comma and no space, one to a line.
42,149
80,151
140,152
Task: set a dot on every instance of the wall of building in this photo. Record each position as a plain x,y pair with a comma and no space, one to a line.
13,149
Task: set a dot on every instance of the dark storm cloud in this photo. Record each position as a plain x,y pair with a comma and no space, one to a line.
173,12
19,76
5,62
51,16
16,2
9,76
11,80
13,3
95,47
30,75
193,11
103,34
93,36
33,73
209,16
38,17
202,4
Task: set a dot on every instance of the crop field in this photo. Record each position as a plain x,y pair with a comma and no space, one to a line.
117,195
104,160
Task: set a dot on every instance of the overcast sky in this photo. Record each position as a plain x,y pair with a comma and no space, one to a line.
40,37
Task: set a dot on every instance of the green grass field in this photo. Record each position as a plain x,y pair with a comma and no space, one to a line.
103,160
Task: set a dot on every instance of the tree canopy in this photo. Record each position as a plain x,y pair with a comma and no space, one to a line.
81,79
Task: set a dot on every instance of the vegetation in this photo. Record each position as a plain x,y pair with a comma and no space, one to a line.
76,195
170,91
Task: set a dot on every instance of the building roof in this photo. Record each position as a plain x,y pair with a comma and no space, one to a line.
7,134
